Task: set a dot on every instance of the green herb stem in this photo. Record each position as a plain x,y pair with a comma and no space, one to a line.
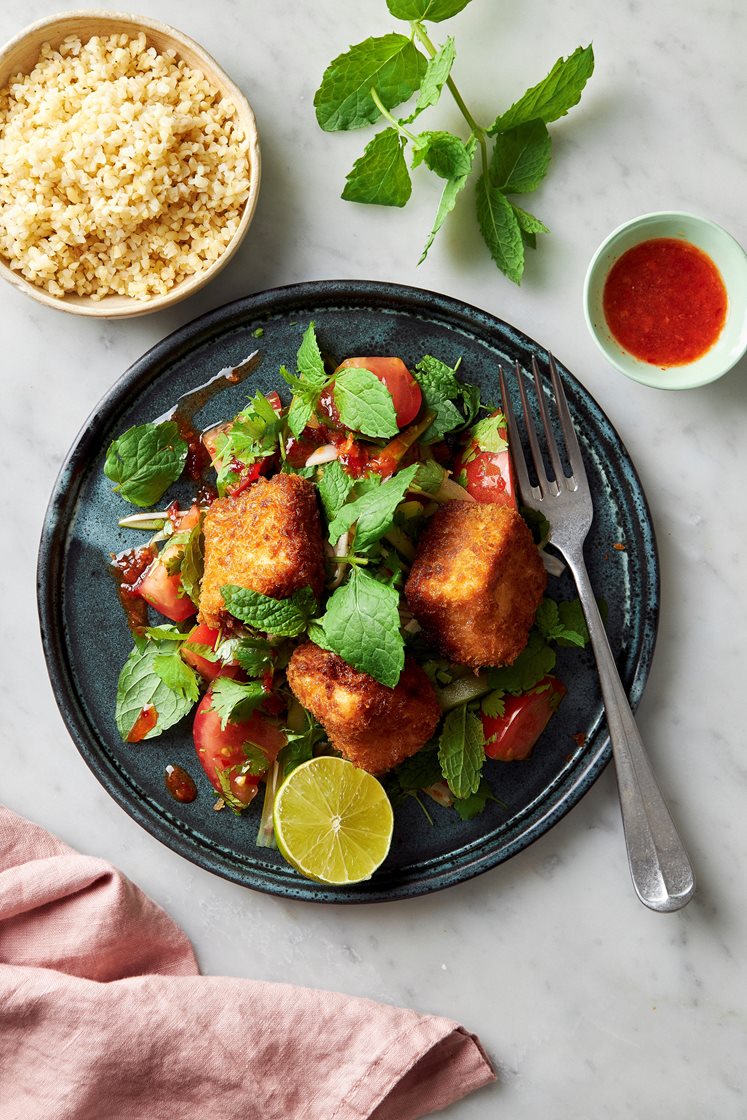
388,116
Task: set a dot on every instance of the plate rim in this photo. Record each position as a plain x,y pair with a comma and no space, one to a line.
50,568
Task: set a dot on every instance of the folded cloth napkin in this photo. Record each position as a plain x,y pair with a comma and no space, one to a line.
104,1016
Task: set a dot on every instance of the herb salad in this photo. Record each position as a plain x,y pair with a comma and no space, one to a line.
384,448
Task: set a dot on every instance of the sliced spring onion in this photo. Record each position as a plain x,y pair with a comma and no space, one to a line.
324,454
462,691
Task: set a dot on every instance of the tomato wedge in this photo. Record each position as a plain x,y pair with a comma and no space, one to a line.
394,374
512,736
202,635
484,465
222,748
159,588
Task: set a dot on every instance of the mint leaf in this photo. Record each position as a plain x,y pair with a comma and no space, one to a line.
364,403
253,435
500,230
177,675
444,153
254,655
286,618
461,751
390,63
234,701
436,74
534,662
309,361
432,10
361,625
474,803
439,386
140,686
380,176
573,621
529,225
553,96
334,487
144,461
448,198
419,771
373,513
521,158
193,563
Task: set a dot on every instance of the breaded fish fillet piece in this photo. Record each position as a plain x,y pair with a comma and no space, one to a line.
268,539
476,582
374,726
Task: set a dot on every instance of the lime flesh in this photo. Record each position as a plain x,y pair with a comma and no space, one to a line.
333,822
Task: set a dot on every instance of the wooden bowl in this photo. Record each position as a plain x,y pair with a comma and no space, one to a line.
20,56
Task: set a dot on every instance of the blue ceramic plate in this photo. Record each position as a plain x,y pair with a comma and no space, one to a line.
86,639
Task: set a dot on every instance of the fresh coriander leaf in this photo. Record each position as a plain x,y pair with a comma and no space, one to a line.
286,618
300,745
309,360
258,332
362,626
432,10
145,460
255,656
500,230
202,650
234,701
177,675
474,803
430,476
521,158
461,751
193,563
140,686
164,633
538,525
534,662
334,487
449,196
494,704
489,434
373,513
253,435
364,403
257,763
553,96
443,153
391,64
224,774
436,74
380,177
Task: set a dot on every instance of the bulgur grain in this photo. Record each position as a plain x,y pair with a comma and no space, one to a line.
122,169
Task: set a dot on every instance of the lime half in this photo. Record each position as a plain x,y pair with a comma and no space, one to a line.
333,822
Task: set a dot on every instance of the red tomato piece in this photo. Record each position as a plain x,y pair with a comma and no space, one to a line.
203,635
394,374
159,588
487,475
513,735
222,748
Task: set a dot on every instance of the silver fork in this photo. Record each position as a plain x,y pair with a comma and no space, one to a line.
661,872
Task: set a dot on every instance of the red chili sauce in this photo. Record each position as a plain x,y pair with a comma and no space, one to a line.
180,784
128,569
665,302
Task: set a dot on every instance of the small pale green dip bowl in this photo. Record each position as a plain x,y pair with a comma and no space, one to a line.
731,261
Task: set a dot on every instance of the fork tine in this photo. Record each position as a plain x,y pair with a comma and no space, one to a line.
552,446
539,466
514,442
566,424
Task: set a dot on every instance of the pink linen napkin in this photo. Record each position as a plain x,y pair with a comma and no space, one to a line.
104,1016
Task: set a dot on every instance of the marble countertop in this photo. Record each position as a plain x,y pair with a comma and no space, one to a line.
588,1003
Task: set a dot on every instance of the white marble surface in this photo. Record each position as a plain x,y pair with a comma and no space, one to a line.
589,1004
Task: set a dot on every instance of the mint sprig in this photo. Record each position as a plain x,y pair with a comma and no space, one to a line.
361,624
144,461
461,751
366,82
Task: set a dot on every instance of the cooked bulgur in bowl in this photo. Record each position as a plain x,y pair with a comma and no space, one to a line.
125,170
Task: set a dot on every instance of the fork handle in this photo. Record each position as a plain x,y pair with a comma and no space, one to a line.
662,875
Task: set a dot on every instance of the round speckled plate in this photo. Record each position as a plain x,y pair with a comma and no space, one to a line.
86,640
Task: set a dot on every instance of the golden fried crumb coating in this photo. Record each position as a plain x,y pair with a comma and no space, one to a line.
476,582
267,538
374,726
